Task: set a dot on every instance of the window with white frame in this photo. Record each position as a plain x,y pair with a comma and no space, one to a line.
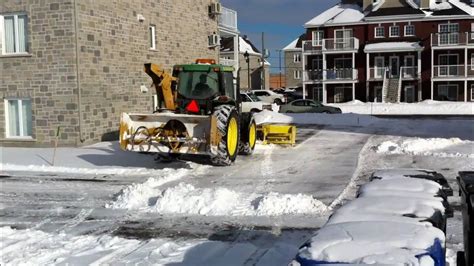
472,92
152,36
296,74
448,33
379,32
409,30
18,118
318,37
15,34
394,31
296,58
472,61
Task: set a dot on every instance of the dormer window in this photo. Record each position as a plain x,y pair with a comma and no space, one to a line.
394,31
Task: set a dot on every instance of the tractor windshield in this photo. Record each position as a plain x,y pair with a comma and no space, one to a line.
198,84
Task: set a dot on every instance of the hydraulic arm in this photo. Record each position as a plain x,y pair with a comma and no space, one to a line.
163,81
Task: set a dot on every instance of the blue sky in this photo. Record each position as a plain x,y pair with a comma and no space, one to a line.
281,20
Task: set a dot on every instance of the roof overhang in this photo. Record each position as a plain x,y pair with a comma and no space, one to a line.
390,47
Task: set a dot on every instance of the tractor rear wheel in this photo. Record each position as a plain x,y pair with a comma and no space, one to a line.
228,127
248,135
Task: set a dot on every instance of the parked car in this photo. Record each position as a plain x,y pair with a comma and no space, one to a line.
269,96
292,96
252,104
308,106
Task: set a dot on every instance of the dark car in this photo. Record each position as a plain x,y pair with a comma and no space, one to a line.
308,106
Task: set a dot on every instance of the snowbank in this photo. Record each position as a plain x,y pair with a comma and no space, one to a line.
361,242
187,199
269,117
437,147
427,107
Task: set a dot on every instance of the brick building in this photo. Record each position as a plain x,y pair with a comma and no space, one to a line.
78,65
390,51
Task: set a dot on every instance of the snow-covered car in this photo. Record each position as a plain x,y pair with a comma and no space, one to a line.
252,104
308,106
269,96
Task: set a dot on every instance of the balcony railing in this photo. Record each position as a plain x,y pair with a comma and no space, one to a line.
228,62
340,74
312,47
313,75
409,72
340,44
228,19
452,39
449,71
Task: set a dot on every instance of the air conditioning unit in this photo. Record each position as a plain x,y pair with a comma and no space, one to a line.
215,9
213,40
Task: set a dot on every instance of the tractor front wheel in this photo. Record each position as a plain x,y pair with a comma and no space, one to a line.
228,127
248,135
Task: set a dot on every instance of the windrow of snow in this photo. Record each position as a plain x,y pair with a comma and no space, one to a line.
185,199
427,107
437,147
137,196
269,117
32,247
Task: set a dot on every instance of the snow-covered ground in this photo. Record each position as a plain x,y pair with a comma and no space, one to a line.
427,107
100,205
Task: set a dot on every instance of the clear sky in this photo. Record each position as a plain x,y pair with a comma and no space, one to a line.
281,20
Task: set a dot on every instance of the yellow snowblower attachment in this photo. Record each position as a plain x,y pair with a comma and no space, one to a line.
277,134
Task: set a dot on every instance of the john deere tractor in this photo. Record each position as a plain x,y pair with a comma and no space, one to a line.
198,113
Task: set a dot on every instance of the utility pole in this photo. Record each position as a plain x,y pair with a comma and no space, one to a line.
279,59
263,61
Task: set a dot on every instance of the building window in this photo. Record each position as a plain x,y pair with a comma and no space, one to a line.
394,31
296,74
15,34
472,61
448,92
152,33
448,33
18,118
318,37
296,58
409,30
472,92
379,32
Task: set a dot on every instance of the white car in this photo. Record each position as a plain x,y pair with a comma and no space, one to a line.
251,104
269,96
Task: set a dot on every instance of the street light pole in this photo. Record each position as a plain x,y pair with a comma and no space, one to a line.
279,59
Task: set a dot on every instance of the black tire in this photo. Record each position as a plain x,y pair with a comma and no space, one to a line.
248,136
224,115
326,112
278,101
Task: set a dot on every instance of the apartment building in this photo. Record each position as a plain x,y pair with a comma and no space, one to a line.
293,67
77,65
390,51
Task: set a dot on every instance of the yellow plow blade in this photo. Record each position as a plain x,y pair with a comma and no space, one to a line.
277,134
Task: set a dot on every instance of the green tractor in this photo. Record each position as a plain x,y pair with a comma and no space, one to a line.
199,112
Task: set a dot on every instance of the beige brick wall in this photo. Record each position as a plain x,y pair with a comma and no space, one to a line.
112,46
47,75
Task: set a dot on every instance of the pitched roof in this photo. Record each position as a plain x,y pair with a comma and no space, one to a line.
296,44
395,11
340,13
245,45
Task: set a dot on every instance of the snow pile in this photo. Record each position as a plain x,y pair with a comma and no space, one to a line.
373,243
427,107
439,6
137,196
189,200
437,147
31,247
269,117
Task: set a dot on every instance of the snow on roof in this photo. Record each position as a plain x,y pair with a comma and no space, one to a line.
374,242
439,6
337,14
292,46
392,46
463,6
245,46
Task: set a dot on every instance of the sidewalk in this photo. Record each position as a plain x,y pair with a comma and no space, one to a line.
100,158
